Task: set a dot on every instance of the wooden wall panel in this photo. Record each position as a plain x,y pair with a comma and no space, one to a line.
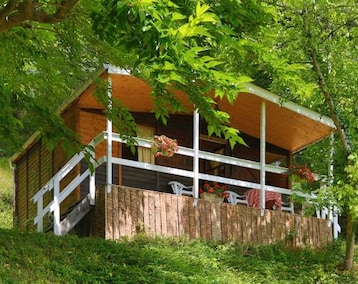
139,178
46,173
21,193
98,214
33,181
90,125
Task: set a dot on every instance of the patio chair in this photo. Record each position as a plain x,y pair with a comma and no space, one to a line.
181,189
288,207
235,198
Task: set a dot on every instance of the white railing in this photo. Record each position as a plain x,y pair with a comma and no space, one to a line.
60,195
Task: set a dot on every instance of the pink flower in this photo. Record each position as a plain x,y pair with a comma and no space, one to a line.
164,146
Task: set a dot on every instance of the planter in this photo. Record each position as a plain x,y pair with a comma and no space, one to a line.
211,197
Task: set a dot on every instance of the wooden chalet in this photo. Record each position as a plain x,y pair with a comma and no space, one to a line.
129,192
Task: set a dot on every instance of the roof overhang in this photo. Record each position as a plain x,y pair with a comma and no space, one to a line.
288,125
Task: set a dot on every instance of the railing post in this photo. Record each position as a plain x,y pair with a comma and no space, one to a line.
196,154
92,179
109,139
262,157
40,206
56,206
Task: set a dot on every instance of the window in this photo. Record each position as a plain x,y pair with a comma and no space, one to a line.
144,154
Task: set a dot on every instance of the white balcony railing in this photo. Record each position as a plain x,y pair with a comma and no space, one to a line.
60,195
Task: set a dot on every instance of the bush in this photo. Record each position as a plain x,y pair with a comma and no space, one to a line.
6,194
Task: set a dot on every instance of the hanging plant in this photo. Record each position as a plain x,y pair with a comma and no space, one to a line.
300,172
163,146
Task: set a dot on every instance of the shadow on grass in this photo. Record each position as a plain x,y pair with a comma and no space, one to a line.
49,259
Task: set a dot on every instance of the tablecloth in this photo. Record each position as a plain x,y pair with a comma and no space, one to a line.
273,200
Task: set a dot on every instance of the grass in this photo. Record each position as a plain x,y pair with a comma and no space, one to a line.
44,258
40,258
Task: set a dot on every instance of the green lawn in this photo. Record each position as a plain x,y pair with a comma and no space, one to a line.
40,258
44,258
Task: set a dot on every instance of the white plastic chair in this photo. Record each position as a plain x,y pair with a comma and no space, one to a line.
181,189
288,207
235,198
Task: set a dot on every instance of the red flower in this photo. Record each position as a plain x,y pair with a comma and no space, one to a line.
301,172
215,188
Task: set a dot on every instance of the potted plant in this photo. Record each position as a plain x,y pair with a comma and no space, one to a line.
213,192
300,173
302,179
163,146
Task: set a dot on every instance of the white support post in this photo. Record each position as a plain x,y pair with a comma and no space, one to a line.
334,215
196,132
109,139
92,180
330,165
262,157
40,206
56,205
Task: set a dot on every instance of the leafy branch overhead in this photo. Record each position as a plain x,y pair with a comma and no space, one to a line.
14,13
179,47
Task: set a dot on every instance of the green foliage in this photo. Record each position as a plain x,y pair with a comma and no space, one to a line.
44,258
346,191
39,258
6,194
42,66
185,45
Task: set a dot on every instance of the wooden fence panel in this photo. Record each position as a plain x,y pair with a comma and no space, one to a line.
129,211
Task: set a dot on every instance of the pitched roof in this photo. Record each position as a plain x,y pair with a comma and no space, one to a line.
288,125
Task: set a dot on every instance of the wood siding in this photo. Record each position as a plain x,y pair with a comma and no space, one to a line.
127,211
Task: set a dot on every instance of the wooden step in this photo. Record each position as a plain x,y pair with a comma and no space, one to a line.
76,215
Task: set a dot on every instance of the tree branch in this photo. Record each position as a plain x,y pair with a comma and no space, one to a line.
6,10
325,91
15,13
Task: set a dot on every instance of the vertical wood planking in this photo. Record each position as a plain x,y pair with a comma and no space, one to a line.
140,212
146,218
109,214
164,215
130,216
129,210
169,215
117,212
180,217
157,215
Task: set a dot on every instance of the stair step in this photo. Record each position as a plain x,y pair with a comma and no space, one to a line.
76,215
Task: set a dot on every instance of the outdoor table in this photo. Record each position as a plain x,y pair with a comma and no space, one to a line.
272,199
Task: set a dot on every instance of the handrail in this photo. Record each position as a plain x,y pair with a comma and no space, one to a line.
54,184
61,195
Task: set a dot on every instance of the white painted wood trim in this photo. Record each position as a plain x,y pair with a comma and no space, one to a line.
262,157
267,95
109,138
196,133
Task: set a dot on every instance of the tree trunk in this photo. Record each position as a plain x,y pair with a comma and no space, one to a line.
350,243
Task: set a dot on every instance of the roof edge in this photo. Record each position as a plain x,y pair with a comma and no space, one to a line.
75,95
267,95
